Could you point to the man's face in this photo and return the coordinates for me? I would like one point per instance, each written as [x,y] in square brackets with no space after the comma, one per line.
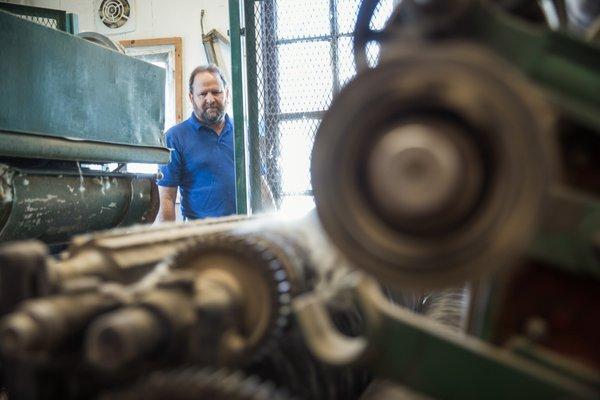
[209,98]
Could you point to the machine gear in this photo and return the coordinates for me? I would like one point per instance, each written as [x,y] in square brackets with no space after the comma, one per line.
[256,280]
[201,384]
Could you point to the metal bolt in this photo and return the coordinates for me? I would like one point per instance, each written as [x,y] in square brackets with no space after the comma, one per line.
[123,336]
[536,328]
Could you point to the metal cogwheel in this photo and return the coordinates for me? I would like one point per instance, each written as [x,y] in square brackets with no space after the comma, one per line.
[261,276]
[200,384]
[418,212]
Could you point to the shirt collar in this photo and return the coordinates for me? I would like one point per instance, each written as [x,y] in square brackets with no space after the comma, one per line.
[196,124]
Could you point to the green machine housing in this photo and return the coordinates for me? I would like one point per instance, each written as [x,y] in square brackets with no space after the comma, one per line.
[67,104]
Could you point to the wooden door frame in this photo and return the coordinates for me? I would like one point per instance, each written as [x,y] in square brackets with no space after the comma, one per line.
[177,42]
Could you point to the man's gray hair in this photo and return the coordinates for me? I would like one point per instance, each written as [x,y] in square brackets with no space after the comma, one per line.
[212,68]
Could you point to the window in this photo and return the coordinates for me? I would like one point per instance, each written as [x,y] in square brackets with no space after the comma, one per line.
[166,54]
[303,59]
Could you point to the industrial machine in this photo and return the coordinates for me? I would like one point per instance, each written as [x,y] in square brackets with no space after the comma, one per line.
[453,252]
[474,157]
[121,304]
[71,118]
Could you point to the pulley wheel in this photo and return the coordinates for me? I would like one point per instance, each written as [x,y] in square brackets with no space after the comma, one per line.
[431,168]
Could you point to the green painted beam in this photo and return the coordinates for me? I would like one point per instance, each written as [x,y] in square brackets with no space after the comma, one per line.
[564,65]
[15,144]
[448,366]
[570,240]
[252,88]
[426,356]
[237,88]
[72,24]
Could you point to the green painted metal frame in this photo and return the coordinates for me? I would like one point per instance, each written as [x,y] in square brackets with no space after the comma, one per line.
[252,87]
[54,148]
[72,23]
[448,366]
[95,94]
[415,351]
[567,69]
[237,88]
[561,63]
[570,241]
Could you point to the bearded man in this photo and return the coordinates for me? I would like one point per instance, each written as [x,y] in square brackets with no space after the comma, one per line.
[202,162]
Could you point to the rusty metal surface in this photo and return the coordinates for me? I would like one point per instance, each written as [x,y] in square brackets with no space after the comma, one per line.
[550,307]
[54,205]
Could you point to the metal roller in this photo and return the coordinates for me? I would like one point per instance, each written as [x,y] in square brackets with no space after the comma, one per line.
[432,167]
[54,205]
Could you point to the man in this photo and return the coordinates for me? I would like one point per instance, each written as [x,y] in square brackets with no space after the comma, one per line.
[202,162]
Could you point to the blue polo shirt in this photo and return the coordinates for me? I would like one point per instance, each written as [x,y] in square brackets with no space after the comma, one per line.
[202,165]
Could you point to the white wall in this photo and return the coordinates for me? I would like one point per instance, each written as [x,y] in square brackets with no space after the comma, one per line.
[159,19]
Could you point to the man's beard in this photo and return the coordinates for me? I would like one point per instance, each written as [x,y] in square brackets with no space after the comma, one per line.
[211,118]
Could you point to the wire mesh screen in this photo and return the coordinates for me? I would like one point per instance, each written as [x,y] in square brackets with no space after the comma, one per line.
[304,57]
[49,22]
[55,19]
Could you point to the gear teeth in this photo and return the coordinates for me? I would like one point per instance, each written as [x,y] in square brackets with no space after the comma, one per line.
[205,383]
[258,251]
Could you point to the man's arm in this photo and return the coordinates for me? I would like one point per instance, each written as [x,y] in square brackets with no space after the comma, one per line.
[166,211]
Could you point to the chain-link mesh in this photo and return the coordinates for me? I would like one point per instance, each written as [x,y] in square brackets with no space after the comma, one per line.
[303,59]
[49,22]
[55,19]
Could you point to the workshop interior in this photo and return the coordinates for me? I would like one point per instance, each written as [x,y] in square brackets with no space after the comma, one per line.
[417,194]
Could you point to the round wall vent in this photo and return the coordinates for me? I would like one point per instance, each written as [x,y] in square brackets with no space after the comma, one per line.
[114,13]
